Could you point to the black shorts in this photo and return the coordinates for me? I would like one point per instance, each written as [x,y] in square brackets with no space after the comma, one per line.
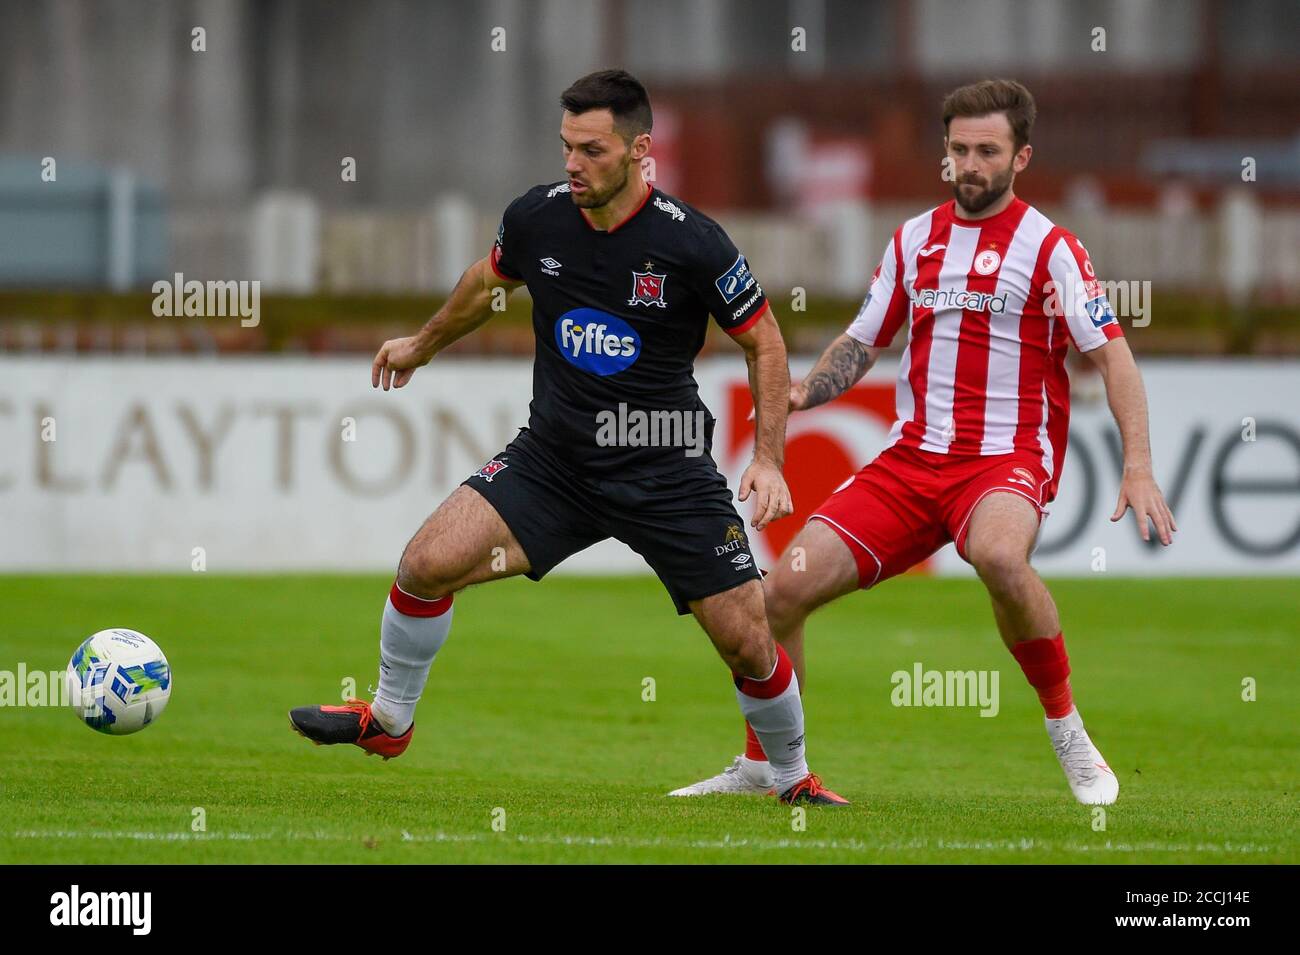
[683,523]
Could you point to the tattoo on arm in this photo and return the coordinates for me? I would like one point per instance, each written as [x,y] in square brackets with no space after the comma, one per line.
[837,371]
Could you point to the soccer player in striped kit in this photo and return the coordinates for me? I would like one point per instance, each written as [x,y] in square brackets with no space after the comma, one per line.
[991,293]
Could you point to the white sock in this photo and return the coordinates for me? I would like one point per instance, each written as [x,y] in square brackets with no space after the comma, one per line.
[775,711]
[411,634]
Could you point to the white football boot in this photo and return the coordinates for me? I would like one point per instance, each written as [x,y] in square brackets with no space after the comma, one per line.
[1091,780]
[745,776]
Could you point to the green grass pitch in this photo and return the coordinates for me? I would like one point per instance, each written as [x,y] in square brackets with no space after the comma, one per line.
[535,708]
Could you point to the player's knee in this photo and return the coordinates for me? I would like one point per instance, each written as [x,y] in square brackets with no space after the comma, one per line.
[425,572]
[998,563]
[753,655]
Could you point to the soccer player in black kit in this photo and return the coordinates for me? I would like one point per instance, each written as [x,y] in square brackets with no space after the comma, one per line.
[623,279]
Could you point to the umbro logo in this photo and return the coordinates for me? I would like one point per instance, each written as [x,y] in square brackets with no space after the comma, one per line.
[663,205]
[549,265]
[741,561]
[930,250]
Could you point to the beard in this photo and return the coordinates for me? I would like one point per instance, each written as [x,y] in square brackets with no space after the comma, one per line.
[594,198]
[991,192]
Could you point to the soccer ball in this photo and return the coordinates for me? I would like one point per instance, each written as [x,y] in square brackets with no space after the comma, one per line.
[119,681]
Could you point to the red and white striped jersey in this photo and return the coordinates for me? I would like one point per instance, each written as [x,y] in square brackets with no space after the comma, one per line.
[991,305]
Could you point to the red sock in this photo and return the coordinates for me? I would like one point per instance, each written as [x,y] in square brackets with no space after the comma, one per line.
[1047,668]
[753,748]
[1057,700]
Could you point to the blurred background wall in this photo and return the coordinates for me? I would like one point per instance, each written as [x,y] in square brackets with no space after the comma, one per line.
[809,126]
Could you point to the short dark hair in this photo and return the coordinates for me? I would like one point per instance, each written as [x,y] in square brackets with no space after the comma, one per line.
[617,91]
[994,96]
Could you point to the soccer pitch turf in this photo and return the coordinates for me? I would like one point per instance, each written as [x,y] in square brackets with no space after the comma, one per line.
[535,707]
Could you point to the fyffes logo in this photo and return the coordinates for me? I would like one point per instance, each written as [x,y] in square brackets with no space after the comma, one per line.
[596,341]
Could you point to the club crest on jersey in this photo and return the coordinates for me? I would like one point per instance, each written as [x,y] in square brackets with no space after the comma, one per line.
[648,289]
[491,469]
[987,262]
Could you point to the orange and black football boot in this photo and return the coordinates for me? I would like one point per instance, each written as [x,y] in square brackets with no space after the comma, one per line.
[810,791]
[351,723]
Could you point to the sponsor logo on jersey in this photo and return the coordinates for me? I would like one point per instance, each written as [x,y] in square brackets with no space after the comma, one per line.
[648,289]
[1099,311]
[736,281]
[987,262]
[596,341]
[732,542]
[960,298]
[556,190]
[549,265]
[663,205]
[491,469]
[744,307]
[928,250]
[1021,476]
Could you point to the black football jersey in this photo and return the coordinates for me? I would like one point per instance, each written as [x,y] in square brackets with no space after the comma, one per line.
[619,317]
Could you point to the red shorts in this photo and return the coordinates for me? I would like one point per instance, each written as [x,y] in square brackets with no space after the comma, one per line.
[906,504]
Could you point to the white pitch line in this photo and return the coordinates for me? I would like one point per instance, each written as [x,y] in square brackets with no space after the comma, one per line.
[615,842]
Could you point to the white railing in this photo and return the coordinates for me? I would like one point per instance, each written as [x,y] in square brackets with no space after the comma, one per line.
[1241,247]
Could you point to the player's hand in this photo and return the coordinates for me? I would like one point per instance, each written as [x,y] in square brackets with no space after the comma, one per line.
[798,400]
[772,497]
[1139,491]
[396,362]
